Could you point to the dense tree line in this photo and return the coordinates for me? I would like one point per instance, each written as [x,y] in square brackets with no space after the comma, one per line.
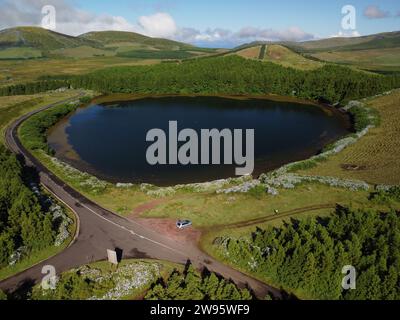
[191,285]
[71,286]
[388,196]
[3,296]
[224,75]
[33,132]
[187,285]
[235,75]
[22,221]
[32,87]
[307,256]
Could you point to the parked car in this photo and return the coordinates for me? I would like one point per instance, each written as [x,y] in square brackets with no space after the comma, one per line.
[183,224]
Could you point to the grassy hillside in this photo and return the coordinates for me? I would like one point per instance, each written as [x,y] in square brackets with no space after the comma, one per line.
[134,45]
[376,41]
[115,39]
[288,58]
[278,54]
[82,52]
[374,59]
[38,38]
[13,71]
[25,50]
[249,53]
[15,53]
[34,42]
[375,158]
[378,52]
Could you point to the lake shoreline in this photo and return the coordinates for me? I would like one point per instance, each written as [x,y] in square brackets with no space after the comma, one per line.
[66,152]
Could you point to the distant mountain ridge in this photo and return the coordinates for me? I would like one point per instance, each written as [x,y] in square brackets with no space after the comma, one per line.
[22,41]
[114,37]
[375,41]
[38,38]
[46,40]
[379,52]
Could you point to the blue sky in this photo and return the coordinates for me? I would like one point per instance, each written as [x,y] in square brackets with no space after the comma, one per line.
[211,22]
[314,16]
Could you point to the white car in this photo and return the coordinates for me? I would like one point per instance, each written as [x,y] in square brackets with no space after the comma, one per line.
[183,224]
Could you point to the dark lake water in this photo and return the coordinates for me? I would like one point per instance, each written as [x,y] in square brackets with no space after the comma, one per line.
[109,140]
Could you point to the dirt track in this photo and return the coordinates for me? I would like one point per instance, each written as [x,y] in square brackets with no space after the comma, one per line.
[285,214]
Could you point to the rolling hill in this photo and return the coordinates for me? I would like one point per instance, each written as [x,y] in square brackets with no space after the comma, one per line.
[38,38]
[115,39]
[288,58]
[249,52]
[379,52]
[134,45]
[35,42]
[376,41]
[276,53]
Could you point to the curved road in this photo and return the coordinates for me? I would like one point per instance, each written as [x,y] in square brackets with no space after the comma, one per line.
[100,229]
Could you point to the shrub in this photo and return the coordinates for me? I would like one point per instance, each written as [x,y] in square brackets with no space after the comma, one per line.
[307,256]
[3,296]
[33,131]
[85,99]
[386,196]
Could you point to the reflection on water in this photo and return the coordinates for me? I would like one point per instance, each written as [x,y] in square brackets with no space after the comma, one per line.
[109,140]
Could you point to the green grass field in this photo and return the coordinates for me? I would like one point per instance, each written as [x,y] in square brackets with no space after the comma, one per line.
[82,52]
[249,53]
[20,71]
[372,59]
[376,156]
[20,53]
[288,58]
[280,55]
[211,210]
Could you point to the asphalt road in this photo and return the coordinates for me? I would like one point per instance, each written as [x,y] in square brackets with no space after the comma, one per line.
[100,229]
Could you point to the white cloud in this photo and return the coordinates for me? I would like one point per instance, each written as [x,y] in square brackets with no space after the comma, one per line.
[374,12]
[69,20]
[209,35]
[346,34]
[74,21]
[248,34]
[158,25]
[290,34]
